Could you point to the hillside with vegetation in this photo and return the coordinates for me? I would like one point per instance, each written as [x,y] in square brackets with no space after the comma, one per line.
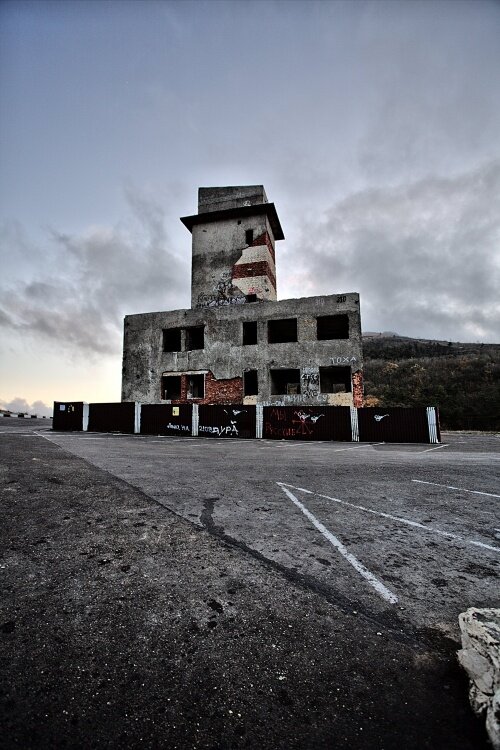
[462,380]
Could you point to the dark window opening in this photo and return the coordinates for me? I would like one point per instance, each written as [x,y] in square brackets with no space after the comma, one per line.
[250,383]
[285,382]
[282,331]
[171,387]
[335,379]
[251,297]
[249,236]
[171,339]
[196,386]
[250,333]
[195,338]
[333,327]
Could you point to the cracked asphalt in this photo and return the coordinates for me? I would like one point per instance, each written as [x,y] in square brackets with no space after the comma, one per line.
[166,593]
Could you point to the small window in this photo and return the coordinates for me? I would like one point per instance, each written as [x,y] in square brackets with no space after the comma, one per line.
[196,386]
[171,387]
[195,338]
[335,379]
[251,297]
[333,327]
[250,333]
[249,236]
[285,382]
[171,339]
[282,331]
[250,383]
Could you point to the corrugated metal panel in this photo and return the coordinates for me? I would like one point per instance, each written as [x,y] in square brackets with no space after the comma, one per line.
[227,421]
[307,422]
[165,419]
[393,425]
[117,417]
[68,415]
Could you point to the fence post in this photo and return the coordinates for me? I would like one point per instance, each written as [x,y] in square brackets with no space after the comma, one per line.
[85,418]
[137,418]
[354,425]
[259,420]
[194,421]
[432,422]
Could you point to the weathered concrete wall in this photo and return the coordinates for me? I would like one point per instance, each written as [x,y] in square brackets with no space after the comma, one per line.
[225,267]
[226,358]
[221,198]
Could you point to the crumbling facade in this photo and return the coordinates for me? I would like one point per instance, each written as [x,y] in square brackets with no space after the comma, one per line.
[238,344]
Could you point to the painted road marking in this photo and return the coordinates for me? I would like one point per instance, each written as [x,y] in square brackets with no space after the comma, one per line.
[436,448]
[399,519]
[356,447]
[460,489]
[356,564]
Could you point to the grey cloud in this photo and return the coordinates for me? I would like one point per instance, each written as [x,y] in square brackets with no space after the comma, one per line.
[103,274]
[21,405]
[425,256]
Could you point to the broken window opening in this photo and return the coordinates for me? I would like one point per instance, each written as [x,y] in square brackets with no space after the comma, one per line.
[195,338]
[171,339]
[249,236]
[171,387]
[250,383]
[335,379]
[284,382]
[251,297]
[332,327]
[282,331]
[196,386]
[250,333]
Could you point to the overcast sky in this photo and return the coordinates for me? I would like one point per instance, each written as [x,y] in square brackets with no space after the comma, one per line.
[374,127]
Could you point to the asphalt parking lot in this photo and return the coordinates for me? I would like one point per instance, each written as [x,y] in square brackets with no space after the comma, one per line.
[366,553]
[412,529]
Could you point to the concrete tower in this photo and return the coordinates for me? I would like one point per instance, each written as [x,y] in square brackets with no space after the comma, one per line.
[233,239]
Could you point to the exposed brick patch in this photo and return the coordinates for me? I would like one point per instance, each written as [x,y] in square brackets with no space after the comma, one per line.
[264,239]
[249,270]
[357,388]
[229,391]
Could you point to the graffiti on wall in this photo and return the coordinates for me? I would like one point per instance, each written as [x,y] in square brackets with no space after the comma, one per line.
[343,360]
[217,421]
[309,382]
[291,423]
[224,293]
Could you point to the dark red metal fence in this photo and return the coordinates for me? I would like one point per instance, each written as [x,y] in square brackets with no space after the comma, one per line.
[164,419]
[227,421]
[340,423]
[118,417]
[394,425]
[68,415]
[307,422]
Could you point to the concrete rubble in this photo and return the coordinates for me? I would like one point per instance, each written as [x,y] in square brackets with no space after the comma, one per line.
[480,657]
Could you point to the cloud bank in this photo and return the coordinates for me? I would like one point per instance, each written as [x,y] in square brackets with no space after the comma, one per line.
[96,278]
[22,406]
[424,256]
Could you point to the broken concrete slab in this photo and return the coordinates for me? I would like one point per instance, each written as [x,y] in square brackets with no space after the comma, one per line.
[480,657]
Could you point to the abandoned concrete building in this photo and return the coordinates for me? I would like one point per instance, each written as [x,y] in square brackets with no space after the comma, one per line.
[238,344]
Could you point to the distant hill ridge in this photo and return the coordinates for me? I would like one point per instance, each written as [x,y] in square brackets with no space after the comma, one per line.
[462,379]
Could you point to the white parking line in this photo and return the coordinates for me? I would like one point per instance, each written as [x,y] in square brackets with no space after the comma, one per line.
[399,519]
[460,489]
[356,564]
[436,448]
